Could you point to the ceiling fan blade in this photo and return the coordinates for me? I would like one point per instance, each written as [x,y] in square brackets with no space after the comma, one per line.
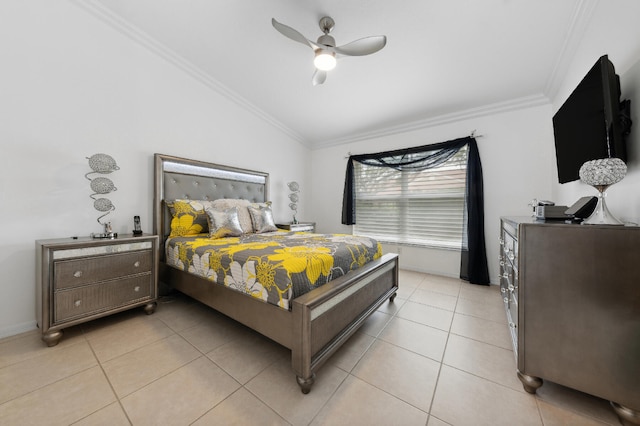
[363,46]
[319,77]
[292,34]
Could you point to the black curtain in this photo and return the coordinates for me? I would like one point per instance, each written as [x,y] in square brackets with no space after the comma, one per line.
[473,264]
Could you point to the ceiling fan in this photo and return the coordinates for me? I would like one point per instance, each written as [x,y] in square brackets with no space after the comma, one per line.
[325,48]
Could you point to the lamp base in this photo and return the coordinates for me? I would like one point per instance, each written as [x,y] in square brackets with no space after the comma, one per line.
[601,215]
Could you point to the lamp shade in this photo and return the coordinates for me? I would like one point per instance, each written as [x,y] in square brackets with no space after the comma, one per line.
[603,172]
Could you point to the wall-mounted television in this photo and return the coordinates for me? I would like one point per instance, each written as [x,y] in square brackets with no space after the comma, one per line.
[592,123]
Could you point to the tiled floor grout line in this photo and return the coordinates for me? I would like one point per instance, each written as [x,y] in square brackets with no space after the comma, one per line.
[441,363]
[349,373]
[106,376]
[377,338]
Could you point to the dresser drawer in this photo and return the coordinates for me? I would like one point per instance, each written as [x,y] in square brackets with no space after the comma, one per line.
[82,271]
[83,301]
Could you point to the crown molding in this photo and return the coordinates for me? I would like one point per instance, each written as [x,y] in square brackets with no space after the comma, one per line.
[115,21]
[97,9]
[496,108]
[575,33]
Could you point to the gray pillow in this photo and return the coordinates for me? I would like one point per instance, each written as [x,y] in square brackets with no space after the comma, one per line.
[262,219]
[223,223]
[243,213]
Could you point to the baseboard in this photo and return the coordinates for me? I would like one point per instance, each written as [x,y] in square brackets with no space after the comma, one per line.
[14,329]
[440,273]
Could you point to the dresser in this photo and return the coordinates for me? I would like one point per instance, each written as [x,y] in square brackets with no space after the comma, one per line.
[298,227]
[572,298]
[80,279]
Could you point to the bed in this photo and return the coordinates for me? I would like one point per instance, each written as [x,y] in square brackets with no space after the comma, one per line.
[312,325]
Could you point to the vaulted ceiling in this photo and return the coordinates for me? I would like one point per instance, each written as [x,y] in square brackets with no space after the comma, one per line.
[444,58]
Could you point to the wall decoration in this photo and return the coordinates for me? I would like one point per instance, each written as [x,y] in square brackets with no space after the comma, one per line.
[294,187]
[102,164]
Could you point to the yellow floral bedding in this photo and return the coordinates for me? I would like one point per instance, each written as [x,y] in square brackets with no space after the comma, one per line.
[275,267]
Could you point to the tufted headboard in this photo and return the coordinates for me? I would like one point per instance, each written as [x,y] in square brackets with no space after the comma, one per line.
[181,178]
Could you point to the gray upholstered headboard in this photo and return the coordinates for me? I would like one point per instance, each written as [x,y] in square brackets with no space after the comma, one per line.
[181,178]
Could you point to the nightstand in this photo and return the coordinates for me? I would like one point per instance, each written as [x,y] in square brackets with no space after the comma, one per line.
[298,227]
[85,278]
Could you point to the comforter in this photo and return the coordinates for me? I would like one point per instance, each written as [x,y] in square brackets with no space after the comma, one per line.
[275,267]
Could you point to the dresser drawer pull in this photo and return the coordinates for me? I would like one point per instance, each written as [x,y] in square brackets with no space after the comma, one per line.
[77,274]
[77,303]
[512,325]
[136,288]
[505,300]
[137,264]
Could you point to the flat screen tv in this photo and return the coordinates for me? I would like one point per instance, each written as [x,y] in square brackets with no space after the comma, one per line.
[592,123]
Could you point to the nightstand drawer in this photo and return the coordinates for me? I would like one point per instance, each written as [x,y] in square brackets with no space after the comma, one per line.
[77,272]
[83,301]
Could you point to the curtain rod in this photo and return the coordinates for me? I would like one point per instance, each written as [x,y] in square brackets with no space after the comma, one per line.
[471,135]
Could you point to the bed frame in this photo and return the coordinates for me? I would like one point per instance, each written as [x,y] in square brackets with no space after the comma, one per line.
[319,322]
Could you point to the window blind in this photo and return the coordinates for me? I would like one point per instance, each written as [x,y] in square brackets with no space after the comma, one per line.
[412,207]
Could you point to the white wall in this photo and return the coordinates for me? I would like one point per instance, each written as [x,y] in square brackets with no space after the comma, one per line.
[72,86]
[516,151]
[613,31]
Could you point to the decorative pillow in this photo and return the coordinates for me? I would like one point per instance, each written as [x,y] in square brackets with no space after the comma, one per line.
[262,219]
[223,223]
[265,204]
[188,218]
[243,212]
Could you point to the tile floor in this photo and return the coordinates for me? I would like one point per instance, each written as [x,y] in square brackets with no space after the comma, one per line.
[440,354]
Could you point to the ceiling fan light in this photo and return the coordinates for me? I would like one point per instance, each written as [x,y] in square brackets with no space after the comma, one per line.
[324,60]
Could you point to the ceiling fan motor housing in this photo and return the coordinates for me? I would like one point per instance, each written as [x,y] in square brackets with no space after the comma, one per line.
[327,40]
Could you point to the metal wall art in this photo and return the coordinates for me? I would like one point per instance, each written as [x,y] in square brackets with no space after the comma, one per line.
[294,198]
[102,164]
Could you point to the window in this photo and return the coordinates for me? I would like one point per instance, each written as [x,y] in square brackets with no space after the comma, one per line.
[412,207]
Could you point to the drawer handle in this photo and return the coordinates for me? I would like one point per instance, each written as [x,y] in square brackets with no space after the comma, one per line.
[77,303]
[505,300]
[77,274]
[137,264]
[503,290]
[511,288]
[512,325]
[136,288]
